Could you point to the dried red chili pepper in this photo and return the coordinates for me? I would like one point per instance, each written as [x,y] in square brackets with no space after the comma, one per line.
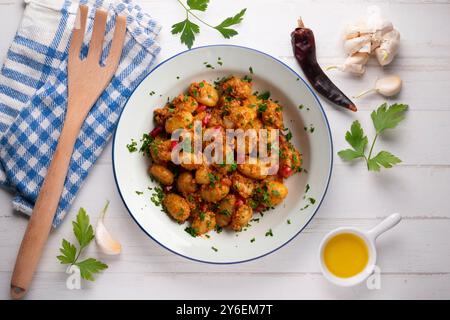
[304,47]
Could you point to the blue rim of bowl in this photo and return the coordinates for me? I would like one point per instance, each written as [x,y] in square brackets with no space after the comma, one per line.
[329,136]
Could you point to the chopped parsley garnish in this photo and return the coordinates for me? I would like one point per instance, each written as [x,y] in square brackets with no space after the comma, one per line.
[269,233]
[146,143]
[288,221]
[157,196]
[250,69]
[191,231]
[132,146]
[262,107]
[215,249]
[310,129]
[152,93]
[212,180]
[252,240]
[301,107]
[139,193]
[307,188]
[264,96]
[311,201]
[288,135]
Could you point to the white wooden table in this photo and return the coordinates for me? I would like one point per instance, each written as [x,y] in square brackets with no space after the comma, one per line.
[414,258]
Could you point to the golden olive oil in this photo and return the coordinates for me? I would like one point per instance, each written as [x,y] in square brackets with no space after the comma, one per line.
[346,255]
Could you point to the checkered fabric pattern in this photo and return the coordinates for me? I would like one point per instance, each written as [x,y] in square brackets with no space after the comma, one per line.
[33,94]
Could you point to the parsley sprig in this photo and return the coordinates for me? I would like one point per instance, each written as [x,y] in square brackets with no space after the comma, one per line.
[189,29]
[383,118]
[70,254]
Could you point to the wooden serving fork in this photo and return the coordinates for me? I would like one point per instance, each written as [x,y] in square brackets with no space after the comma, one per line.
[86,81]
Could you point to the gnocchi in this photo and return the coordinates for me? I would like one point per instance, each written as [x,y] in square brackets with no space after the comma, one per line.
[177,207]
[219,195]
[162,174]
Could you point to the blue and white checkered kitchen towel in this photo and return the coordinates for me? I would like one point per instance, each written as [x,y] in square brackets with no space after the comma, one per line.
[33,95]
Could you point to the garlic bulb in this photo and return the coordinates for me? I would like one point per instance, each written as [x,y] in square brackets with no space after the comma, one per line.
[371,34]
[105,241]
[387,86]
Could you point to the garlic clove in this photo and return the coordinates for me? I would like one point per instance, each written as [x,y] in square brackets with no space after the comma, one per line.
[358,58]
[105,241]
[354,45]
[389,86]
[356,69]
[388,48]
[354,64]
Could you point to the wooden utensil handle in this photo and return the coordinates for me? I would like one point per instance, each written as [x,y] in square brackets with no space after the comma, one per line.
[44,210]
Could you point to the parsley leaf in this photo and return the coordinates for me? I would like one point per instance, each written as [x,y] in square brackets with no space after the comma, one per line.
[388,118]
[349,154]
[383,158]
[82,228]
[383,118]
[70,254]
[356,138]
[90,266]
[199,5]
[223,27]
[188,30]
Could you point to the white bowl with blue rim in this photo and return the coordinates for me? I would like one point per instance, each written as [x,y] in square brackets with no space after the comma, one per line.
[303,115]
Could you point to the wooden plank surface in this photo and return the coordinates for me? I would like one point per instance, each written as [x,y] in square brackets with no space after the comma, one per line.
[414,258]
